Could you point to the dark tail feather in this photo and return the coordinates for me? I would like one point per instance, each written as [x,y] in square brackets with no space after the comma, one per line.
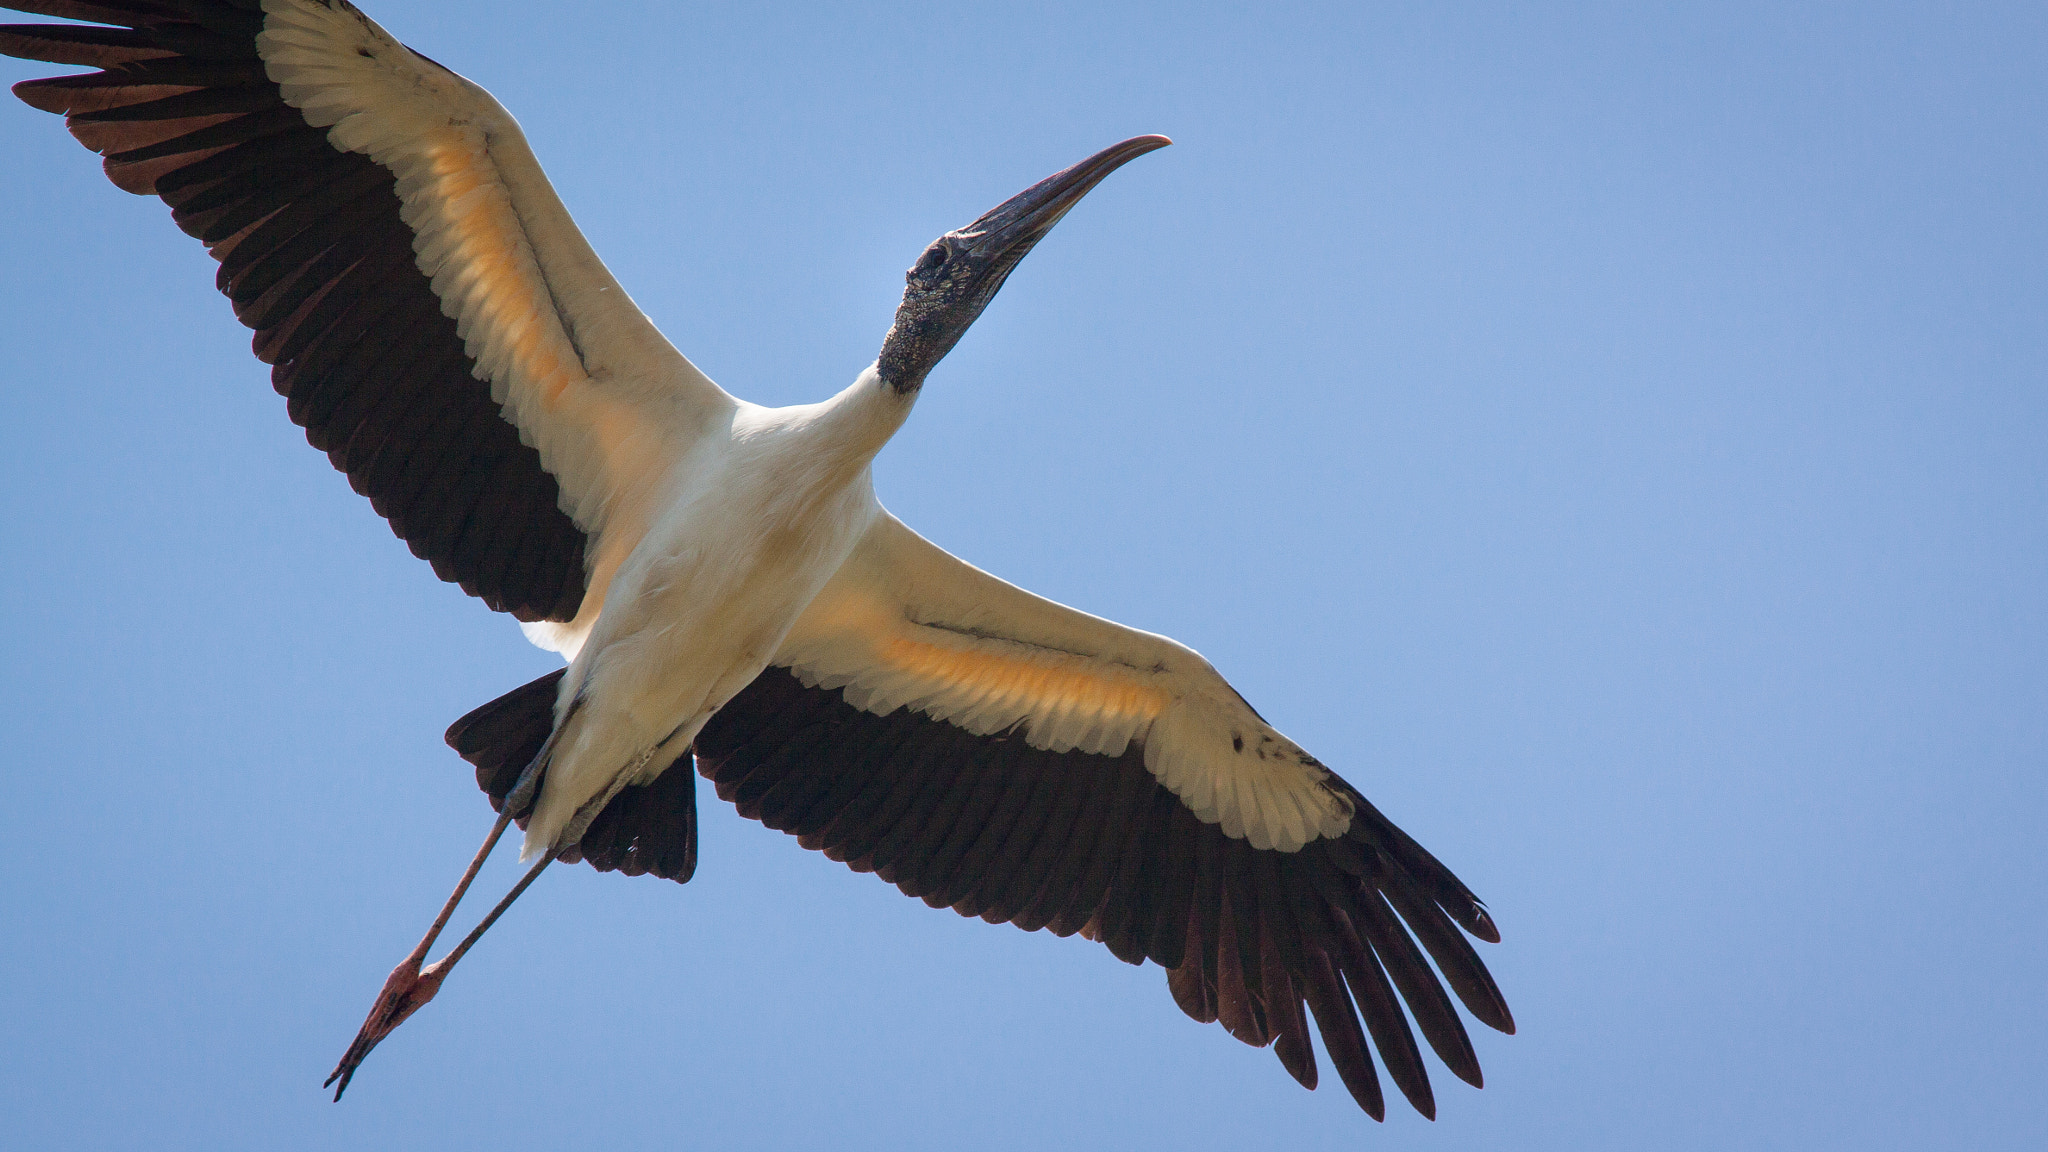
[647,829]
[502,737]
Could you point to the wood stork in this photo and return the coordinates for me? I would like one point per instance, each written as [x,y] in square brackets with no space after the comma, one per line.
[724,585]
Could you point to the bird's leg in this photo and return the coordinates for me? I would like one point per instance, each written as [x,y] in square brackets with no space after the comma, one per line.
[409,987]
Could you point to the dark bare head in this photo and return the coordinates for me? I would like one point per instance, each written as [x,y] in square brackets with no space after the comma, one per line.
[960,273]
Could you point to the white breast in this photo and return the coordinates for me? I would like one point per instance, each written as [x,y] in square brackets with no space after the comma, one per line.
[754,525]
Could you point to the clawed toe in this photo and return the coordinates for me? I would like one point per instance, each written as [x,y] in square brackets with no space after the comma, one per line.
[404,993]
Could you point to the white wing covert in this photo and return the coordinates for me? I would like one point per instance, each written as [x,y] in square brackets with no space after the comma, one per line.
[907,625]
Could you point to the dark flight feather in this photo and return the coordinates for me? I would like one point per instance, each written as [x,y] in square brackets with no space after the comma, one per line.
[1261,941]
[315,259]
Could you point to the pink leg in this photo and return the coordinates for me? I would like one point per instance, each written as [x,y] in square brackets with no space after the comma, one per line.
[408,988]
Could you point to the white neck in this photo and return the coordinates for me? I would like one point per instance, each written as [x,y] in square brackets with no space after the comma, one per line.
[855,424]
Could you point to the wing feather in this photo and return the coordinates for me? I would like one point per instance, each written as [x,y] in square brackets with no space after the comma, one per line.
[994,753]
[904,625]
[434,318]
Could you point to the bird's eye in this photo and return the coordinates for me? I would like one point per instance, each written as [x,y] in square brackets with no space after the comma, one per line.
[933,259]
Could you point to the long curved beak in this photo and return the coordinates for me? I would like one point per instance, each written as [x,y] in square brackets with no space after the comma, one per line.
[962,270]
[1012,227]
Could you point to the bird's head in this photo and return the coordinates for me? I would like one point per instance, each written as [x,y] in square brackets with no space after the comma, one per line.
[961,271]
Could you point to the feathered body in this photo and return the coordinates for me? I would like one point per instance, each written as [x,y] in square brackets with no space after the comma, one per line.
[757,516]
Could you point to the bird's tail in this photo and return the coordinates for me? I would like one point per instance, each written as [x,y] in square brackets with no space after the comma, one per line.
[502,737]
[645,829]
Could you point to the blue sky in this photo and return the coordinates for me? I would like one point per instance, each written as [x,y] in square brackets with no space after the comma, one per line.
[1612,436]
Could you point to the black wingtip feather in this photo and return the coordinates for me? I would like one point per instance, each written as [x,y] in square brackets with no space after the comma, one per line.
[1381,1010]
[1337,1020]
[1432,1009]
[1455,958]
[132,13]
[1283,1011]
[1480,923]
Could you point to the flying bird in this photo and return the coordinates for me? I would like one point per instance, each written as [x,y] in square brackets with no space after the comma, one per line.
[725,588]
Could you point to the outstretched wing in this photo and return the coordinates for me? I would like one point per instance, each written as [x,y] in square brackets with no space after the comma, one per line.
[437,323]
[994,752]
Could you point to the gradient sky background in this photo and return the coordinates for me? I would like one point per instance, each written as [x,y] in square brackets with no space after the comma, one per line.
[1616,440]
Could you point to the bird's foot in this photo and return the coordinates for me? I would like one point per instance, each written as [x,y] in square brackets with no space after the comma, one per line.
[404,993]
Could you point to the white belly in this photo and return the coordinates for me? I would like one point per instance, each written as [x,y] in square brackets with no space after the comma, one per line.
[693,616]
